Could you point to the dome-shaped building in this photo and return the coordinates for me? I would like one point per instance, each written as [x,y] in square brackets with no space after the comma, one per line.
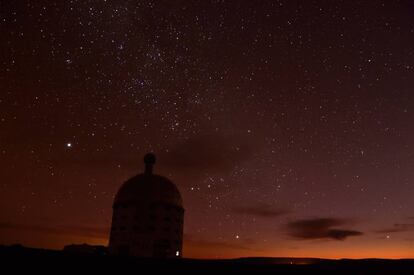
[148,216]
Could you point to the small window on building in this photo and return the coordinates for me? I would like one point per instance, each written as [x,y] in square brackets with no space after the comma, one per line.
[177,253]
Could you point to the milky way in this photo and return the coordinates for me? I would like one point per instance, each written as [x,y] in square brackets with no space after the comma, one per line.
[287,125]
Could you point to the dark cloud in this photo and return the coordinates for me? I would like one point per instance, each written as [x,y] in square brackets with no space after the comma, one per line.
[321,228]
[207,153]
[65,230]
[262,211]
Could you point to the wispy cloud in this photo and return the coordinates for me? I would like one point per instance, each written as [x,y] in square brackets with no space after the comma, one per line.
[397,227]
[207,153]
[262,211]
[216,244]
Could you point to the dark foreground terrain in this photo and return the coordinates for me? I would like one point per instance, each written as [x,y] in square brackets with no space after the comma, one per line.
[18,258]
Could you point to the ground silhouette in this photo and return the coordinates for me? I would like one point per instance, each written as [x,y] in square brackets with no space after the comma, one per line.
[18,258]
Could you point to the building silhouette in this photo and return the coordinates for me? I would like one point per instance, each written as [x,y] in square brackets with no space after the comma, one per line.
[148,216]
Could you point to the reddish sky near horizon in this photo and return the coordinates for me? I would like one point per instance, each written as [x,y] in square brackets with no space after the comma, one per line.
[286,125]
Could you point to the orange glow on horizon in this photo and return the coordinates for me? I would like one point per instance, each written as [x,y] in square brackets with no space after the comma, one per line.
[212,250]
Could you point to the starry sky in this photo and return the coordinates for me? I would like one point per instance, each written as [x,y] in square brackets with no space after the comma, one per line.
[286,125]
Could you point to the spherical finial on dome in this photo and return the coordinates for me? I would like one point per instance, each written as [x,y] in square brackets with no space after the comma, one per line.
[149,160]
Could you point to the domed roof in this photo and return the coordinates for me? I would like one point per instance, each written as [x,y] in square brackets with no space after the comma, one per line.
[149,188]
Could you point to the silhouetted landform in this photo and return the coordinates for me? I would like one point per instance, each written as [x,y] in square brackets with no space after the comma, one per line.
[86,249]
[82,258]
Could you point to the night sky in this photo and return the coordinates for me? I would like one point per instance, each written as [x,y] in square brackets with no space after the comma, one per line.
[288,126]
